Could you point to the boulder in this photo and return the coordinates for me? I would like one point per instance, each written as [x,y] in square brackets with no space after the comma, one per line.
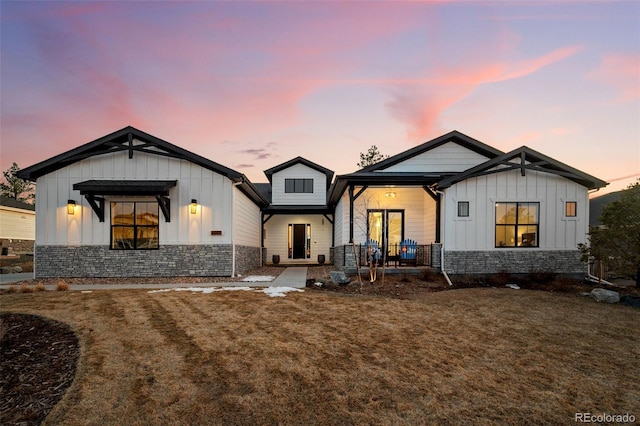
[340,277]
[604,295]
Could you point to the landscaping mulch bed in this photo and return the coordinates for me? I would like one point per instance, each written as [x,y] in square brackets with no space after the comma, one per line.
[39,358]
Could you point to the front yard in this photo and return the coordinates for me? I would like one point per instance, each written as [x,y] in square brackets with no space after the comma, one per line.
[480,355]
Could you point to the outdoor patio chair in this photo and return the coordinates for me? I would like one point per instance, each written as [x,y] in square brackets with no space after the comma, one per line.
[408,251]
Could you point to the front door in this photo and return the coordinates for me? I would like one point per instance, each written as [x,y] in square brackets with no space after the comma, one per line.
[299,246]
[299,238]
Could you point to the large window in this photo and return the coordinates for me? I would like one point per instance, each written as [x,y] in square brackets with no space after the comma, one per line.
[517,224]
[387,228]
[134,225]
[298,186]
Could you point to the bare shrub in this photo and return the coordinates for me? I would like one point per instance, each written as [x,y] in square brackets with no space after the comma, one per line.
[62,285]
[12,289]
[40,287]
[26,289]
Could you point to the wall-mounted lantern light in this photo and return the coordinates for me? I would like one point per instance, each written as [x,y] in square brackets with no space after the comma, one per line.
[71,206]
[194,206]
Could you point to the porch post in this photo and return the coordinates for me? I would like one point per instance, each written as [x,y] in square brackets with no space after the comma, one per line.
[438,219]
[351,214]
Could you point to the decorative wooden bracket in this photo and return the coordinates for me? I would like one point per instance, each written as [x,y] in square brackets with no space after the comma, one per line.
[97,204]
[165,205]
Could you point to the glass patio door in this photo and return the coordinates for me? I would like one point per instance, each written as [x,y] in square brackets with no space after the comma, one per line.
[387,228]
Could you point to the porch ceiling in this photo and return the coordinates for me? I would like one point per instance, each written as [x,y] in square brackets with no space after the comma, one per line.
[383,178]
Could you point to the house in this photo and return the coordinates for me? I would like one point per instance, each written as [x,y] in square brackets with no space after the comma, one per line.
[472,208]
[17,225]
[298,223]
[130,204]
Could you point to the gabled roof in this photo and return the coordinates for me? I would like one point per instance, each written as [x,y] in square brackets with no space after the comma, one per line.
[454,136]
[529,159]
[123,140]
[299,160]
[16,204]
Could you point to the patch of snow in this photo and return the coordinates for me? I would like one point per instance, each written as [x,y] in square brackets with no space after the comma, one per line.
[269,291]
[279,291]
[513,286]
[258,278]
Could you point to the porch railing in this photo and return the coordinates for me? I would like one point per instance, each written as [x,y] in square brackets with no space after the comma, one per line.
[393,258]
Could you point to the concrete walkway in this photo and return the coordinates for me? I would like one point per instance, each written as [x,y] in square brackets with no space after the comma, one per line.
[295,277]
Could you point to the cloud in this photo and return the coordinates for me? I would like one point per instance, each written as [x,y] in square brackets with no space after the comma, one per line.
[258,153]
[420,103]
[621,72]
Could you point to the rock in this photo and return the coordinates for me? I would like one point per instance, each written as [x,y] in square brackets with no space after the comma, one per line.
[630,301]
[604,295]
[340,277]
[17,269]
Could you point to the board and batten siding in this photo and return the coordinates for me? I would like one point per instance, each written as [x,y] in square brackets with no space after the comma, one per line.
[212,190]
[277,236]
[448,157]
[299,171]
[17,223]
[246,221]
[477,232]
[419,214]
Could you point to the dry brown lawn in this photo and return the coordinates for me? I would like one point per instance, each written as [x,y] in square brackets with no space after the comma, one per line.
[464,356]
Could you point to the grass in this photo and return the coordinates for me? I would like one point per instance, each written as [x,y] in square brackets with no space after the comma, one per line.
[465,356]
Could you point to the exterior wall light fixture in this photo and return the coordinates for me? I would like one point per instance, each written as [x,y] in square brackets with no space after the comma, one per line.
[71,206]
[194,206]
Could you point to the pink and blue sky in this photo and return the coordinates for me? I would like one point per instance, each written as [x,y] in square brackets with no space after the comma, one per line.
[253,84]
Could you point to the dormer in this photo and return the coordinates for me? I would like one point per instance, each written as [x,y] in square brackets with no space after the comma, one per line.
[299,182]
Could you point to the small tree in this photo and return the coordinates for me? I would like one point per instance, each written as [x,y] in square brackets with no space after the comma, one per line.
[16,188]
[372,156]
[618,240]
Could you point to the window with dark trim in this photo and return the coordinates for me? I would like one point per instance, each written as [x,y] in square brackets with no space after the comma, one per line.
[463,209]
[134,225]
[517,224]
[571,209]
[298,186]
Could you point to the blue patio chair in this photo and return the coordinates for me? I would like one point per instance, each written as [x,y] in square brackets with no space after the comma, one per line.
[372,251]
[408,251]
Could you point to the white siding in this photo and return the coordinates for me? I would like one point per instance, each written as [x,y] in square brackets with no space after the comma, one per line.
[449,157]
[212,190]
[246,221]
[299,171]
[17,224]
[419,214]
[477,232]
[277,236]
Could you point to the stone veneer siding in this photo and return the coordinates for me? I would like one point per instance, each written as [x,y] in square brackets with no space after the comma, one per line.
[168,260]
[566,262]
[17,246]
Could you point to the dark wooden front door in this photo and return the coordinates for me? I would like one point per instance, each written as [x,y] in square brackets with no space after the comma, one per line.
[299,241]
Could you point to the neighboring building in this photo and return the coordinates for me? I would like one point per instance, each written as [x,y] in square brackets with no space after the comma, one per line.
[17,225]
[471,208]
